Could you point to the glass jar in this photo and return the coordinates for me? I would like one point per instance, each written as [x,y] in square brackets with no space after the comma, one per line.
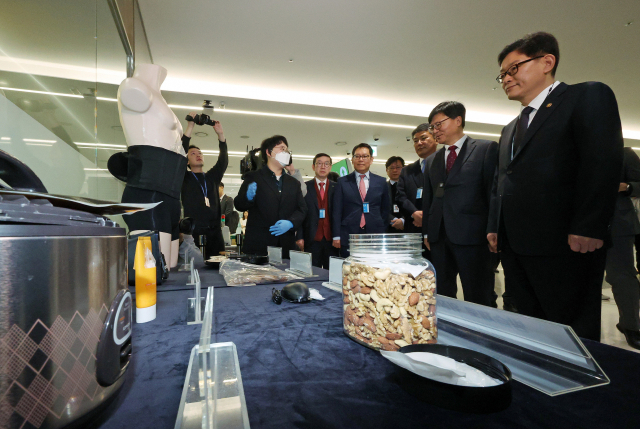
[389,292]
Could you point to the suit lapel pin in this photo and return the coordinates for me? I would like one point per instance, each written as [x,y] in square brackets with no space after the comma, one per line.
[549,105]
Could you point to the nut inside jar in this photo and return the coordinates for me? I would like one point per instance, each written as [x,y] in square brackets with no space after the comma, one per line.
[387,310]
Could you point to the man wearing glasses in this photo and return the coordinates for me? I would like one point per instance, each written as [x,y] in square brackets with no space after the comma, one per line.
[315,234]
[361,202]
[457,192]
[394,166]
[410,185]
[555,188]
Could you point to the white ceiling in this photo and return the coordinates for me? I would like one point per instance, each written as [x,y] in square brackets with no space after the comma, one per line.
[373,61]
[403,56]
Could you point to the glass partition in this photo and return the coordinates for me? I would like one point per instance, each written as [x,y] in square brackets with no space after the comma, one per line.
[61,62]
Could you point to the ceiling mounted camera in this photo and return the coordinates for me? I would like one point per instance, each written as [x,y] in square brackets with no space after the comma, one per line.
[376,137]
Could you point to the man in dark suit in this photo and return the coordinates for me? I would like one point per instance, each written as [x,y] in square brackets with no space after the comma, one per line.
[411,182]
[621,273]
[394,166]
[226,206]
[274,201]
[457,193]
[361,202]
[316,228]
[555,187]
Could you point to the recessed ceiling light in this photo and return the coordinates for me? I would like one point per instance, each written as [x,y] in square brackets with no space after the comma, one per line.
[244,137]
[341,143]
[39,141]
[628,23]
[291,60]
[201,134]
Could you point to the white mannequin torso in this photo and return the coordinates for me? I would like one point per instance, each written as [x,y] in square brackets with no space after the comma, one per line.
[145,116]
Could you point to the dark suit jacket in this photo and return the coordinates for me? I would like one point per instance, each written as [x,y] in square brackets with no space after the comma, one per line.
[625,218]
[310,224]
[268,207]
[393,190]
[226,206]
[411,178]
[565,177]
[467,193]
[347,207]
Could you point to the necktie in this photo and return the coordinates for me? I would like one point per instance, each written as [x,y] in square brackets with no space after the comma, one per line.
[363,193]
[321,191]
[423,162]
[521,129]
[451,158]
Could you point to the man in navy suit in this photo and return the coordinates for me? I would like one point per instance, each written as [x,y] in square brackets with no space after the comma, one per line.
[457,193]
[559,169]
[315,234]
[394,166]
[361,204]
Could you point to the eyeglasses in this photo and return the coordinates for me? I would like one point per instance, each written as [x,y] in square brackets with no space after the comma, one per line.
[363,157]
[323,164]
[514,69]
[437,125]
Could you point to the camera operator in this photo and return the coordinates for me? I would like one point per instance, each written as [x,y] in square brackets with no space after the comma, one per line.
[200,198]
[274,201]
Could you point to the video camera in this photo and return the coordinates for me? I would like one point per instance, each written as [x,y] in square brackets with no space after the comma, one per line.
[251,161]
[203,118]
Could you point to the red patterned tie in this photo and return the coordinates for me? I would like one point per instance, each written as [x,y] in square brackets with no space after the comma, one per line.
[451,158]
[363,193]
[321,190]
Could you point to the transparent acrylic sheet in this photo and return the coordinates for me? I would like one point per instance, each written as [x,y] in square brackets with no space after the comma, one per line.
[335,274]
[300,264]
[213,396]
[275,255]
[546,356]
[195,308]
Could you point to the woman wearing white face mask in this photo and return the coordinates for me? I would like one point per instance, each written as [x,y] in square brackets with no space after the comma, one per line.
[274,200]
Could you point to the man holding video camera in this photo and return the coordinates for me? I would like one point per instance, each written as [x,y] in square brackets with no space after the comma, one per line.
[200,198]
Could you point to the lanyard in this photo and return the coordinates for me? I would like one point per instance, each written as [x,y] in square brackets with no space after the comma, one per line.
[204,190]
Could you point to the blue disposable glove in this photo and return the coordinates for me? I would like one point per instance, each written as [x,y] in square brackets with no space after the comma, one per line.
[251,191]
[281,227]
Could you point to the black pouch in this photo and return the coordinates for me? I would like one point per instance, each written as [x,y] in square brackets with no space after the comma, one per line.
[155,249]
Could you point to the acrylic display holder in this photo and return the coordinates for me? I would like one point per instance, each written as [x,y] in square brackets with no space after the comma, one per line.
[544,355]
[212,396]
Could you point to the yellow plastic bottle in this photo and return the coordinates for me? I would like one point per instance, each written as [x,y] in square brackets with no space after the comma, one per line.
[145,283]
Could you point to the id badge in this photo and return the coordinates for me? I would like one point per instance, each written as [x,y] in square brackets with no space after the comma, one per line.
[365,207]
[396,209]
[206,201]
[440,190]
[419,194]
[322,215]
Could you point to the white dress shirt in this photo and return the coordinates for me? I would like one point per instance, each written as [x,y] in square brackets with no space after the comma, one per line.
[458,146]
[318,182]
[366,180]
[537,102]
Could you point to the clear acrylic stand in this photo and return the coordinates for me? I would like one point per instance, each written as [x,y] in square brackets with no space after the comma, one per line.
[546,356]
[275,255]
[194,305]
[335,274]
[187,265]
[300,264]
[213,395]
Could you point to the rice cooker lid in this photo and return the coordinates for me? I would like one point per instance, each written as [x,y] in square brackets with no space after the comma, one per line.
[17,212]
